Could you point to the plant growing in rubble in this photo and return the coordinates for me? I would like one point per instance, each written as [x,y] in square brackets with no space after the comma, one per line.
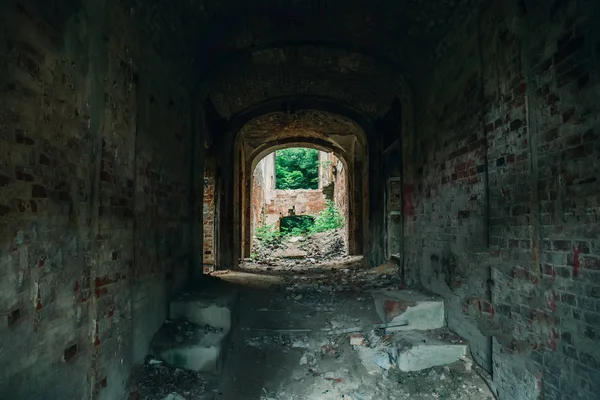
[328,219]
[267,234]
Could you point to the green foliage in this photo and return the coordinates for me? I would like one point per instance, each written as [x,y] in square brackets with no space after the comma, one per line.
[296,225]
[267,234]
[297,168]
[328,219]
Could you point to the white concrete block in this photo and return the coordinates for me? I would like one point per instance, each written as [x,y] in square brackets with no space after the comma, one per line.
[422,350]
[421,312]
[188,346]
[213,311]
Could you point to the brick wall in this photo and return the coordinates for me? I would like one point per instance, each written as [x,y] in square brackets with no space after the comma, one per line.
[94,188]
[501,194]
[208,218]
[340,193]
[305,201]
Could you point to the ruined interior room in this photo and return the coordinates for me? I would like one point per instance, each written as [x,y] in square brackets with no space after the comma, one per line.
[447,245]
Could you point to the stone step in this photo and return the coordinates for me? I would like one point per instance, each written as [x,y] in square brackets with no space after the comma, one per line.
[189,346]
[205,308]
[421,312]
[418,350]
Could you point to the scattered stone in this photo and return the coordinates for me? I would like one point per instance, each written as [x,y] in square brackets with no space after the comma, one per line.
[357,339]
[157,381]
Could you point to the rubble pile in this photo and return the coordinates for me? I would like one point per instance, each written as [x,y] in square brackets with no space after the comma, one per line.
[325,246]
[351,277]
[363,366]
[155,380]
[304,251]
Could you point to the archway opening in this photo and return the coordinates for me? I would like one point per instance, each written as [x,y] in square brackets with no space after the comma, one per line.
[329,133]
[299,207]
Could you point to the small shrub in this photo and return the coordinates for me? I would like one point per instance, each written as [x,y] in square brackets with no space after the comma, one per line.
[328,219]
[296,225]
[267,234]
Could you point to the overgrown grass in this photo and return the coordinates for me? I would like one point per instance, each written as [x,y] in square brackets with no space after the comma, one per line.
[328,219]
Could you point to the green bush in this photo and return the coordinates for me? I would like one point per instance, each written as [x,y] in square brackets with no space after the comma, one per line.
[296,225]
[328,219]
[297,168]
[267,234]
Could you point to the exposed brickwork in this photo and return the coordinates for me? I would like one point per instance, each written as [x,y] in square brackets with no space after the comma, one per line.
[501,186]
[93,200]
[305,202]
[208,217]
[269,204]
[340,193]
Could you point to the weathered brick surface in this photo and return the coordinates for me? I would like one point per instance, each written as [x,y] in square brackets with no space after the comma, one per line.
[208,219]
[268,203]
[94,150]
[501,185]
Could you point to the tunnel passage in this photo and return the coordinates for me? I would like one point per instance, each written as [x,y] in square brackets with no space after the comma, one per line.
[477,171]
[321,130]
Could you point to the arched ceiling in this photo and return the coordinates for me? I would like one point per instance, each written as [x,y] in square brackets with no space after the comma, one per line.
[348,77]
[354,51]
[339,131]
[320,128]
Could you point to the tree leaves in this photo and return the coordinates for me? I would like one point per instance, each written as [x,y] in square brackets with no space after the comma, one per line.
[297,168]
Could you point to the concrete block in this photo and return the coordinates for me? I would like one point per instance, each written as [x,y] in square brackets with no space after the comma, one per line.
[189,346]
[357,339]
[213,309]
[422,350]
[420,311]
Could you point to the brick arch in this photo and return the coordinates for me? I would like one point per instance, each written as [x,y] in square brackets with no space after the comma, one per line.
[251,76]
[317,129]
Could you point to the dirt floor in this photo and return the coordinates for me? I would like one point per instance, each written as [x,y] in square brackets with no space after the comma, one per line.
[296,317]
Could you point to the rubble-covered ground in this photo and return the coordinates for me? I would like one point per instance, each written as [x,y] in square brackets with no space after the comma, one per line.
[296,319]
[155,380]
[304,250]
[296,346]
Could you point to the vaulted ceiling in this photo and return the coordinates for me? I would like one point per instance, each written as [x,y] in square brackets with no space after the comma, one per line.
[352,51]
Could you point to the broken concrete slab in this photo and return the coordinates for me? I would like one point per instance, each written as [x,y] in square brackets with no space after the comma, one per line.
[421,350]
[290,253]
[419,311]
[213,309]
[190,346]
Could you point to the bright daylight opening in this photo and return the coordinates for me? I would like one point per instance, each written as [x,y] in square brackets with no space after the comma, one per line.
[299,208]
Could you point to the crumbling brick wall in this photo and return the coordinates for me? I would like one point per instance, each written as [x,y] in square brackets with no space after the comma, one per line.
[501,194]
[94,209]
[208,212]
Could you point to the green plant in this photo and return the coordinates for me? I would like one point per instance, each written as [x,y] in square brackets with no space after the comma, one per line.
[296,225]
[297,168]
[328,219]
[266,234]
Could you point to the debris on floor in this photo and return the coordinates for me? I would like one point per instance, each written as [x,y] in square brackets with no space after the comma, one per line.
[286,251]
[331,331]
[156,380]
[305,350]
